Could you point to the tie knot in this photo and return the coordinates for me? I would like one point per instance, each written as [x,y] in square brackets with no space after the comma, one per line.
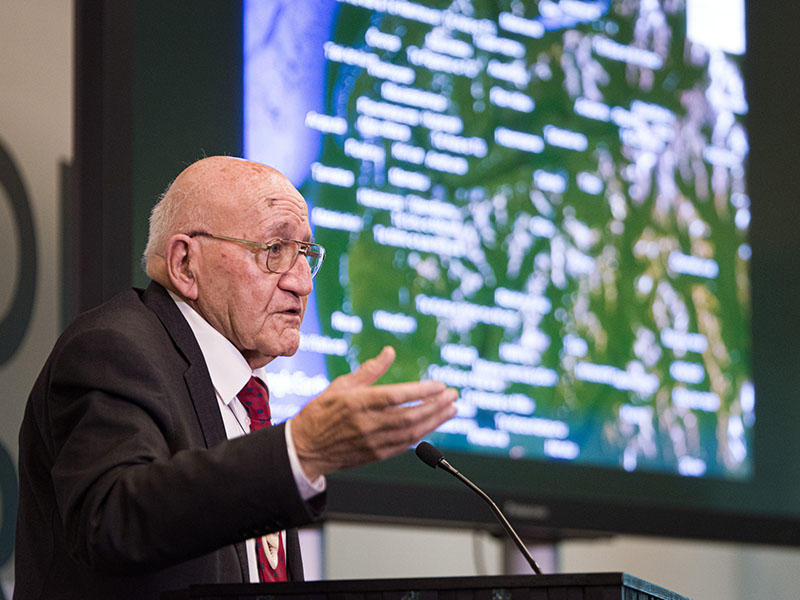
[255,399]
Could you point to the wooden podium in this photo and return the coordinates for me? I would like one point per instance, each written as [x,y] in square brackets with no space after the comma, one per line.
[589,586]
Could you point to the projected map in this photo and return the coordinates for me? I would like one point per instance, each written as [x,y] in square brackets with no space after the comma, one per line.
[543,205]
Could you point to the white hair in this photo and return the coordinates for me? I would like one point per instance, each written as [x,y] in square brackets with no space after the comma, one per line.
[176,211]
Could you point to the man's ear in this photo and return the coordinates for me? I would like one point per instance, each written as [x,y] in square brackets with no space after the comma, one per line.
[182,260]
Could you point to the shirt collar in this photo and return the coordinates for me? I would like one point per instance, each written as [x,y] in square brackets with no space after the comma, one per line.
[227,367]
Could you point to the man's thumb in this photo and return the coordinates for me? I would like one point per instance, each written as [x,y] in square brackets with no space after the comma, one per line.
[371,370]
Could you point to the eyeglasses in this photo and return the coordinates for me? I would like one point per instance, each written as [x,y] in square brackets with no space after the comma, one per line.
[277,256]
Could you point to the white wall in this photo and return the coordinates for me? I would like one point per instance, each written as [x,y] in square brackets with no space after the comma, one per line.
[36,129]
[35,125]
[357,551]
[698,570]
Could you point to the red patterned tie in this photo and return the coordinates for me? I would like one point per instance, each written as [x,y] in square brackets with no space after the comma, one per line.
[255,398]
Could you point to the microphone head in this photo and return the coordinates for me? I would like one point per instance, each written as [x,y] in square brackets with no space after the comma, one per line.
[429,454]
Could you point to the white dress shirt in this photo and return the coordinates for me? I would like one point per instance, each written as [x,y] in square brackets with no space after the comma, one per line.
[229,373]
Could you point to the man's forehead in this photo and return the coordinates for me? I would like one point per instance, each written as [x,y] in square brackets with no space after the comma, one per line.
[264,197]
[289,200]
[282,216]
[280,207]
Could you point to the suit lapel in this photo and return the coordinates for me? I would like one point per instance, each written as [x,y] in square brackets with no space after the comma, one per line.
[198,381]
[196,376]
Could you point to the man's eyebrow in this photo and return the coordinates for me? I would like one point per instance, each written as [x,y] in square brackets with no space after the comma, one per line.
[277,229]
[284,231]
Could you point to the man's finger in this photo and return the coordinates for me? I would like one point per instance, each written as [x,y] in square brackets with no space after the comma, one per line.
[401,429]
[371,370]
[396,394]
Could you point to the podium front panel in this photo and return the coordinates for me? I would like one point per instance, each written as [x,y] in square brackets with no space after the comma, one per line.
[584,586]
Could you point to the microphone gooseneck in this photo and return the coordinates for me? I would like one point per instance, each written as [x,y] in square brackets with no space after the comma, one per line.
[434,458]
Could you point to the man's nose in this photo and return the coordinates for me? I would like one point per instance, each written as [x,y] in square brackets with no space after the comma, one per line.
[298,278]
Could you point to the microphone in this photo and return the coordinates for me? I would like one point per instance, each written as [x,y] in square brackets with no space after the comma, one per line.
[433,457]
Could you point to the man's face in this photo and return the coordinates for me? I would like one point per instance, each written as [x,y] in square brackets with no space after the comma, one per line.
[259,312]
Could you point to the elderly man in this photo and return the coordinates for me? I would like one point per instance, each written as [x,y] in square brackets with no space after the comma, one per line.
[135,473]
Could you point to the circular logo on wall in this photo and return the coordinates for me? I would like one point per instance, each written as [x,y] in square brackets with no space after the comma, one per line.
[16,320]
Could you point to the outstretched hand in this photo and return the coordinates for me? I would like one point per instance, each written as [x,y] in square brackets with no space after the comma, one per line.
[353,422]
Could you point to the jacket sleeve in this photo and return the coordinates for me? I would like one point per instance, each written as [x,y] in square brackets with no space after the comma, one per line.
[135,486]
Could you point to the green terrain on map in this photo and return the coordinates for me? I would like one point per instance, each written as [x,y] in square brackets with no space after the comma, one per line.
[597,260]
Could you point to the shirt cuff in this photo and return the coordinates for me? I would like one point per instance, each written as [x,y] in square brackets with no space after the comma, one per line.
[308,489]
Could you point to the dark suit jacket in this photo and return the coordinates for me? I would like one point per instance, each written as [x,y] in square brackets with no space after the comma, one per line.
[128,485]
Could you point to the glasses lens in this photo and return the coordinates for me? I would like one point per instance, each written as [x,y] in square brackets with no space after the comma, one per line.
[315,254]
[281,255]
